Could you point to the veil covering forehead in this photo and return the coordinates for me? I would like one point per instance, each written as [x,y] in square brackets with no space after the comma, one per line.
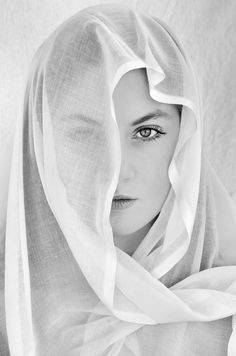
[67,289]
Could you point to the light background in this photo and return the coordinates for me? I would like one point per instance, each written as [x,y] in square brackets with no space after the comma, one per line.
[207,29]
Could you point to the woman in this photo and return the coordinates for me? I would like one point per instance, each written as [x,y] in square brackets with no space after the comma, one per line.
[112,109]
[147,148]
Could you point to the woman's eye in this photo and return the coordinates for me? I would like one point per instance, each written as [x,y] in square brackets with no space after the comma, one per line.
[148,133]
[79,134]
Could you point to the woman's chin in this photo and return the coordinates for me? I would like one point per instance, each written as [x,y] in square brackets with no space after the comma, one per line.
[122,230]
[123,225]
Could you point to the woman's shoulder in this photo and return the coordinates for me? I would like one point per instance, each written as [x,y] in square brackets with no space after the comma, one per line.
[187,338]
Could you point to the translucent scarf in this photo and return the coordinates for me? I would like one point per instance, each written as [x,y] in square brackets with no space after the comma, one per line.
[67,289]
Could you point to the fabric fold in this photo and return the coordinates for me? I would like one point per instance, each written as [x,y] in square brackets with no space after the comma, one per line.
[67,289]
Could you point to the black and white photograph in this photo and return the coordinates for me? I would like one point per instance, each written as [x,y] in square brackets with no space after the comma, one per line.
[118,178]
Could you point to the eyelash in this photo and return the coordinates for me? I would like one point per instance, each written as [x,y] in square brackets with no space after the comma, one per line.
[158,129]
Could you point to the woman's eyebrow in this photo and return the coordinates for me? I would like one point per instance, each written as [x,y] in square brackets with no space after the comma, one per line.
[84,118]
[152,115]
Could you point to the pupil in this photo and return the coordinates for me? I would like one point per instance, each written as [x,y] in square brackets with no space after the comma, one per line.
[147,132]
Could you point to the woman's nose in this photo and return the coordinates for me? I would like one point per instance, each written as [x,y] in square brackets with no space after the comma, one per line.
[127,168]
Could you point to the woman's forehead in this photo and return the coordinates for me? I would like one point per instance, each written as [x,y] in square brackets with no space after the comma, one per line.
[132,100]
[131,86]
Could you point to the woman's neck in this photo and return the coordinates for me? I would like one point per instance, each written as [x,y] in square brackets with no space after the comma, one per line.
[129,243]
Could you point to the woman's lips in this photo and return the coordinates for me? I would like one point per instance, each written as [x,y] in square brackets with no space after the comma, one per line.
[121,196]
[118,204]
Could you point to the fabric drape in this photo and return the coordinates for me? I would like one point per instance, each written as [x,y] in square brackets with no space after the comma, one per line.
[66,289]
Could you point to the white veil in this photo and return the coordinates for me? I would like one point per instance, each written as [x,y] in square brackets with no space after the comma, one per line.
[67,290]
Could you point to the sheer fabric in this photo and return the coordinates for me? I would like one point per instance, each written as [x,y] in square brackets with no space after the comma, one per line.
[66,289]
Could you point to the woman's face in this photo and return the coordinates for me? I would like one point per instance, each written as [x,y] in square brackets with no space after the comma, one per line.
[147,148]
